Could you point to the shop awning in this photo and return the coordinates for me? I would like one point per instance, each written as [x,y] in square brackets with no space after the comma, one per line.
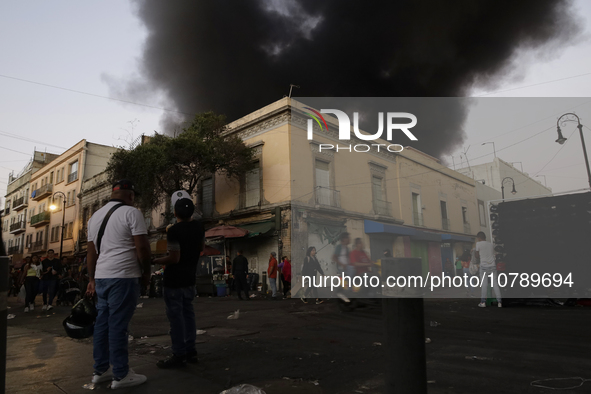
[266,228]
[372,227]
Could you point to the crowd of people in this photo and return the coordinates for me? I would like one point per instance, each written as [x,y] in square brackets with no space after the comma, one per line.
[49,276]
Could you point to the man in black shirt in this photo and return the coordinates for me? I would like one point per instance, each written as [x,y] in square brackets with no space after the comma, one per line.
[239,271]
[185,242]
[51,269]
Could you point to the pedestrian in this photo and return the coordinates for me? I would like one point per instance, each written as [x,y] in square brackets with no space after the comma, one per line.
[239,271]
[117,252]
[359,260]
[485,253]
[185,240]
[310,268]
[448,267]
[272,274]
[466,258]
[458,265]
[32,272]
[285,267]
[341,254]
[51,269]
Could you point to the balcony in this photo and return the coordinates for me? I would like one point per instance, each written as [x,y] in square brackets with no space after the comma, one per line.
[73,176]
[6,211]
[20,203]
[383,208]
[17,227]
[38,246]
[417,219]
[42,192]
[324,196]
[467,228]
[18,249]
[40,219]
[445,224]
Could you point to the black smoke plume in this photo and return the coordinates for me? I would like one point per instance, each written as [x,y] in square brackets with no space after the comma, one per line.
[236,56]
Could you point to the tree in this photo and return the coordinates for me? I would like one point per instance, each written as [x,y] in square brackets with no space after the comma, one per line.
[165,164]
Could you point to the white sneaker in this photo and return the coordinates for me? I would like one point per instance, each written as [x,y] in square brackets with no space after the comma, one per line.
[500,305]
[26,309]
[49,307]
[44,307]
[482,305]
[104,377]
[32,307]
[132,379]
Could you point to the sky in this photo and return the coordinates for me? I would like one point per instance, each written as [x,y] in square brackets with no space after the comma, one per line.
[63,48]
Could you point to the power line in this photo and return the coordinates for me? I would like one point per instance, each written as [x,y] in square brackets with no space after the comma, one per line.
[10,135]
[550,161]
[534,84]
[12,150]
[94,95]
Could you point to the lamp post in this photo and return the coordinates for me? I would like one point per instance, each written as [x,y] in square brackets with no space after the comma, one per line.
[53,207]
[494,149]
[503,187]
[571,117]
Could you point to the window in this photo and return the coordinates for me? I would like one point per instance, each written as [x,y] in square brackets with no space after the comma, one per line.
[465,214]
[69,230]
[57,176]
[381,207]
[73,174]
[482,212]
[207,197]
[322,172]
[51,177]
[63,173]
[253,187]
[417,211]
[444,218]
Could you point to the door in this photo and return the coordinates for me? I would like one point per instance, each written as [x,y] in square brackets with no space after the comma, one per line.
[420,249]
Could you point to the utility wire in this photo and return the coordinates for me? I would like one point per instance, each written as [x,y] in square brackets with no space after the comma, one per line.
[533,84]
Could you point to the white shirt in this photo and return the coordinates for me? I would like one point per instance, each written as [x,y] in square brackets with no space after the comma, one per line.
[118,258]
[487,254]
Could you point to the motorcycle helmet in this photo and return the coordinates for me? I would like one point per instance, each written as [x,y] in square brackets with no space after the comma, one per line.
[80,323]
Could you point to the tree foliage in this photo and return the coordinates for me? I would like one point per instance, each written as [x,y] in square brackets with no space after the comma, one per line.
[165,164]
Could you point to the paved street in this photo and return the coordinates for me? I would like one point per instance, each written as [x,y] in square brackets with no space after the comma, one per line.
[289,347]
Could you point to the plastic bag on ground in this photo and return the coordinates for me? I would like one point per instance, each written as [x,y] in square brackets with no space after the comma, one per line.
[234,315]
[243,389]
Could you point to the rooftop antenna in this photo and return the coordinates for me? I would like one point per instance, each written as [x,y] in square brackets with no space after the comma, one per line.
[454,162]
[291,86]
[466,155]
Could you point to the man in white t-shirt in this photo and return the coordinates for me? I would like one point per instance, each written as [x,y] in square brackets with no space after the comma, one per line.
[485,252]
[115,263]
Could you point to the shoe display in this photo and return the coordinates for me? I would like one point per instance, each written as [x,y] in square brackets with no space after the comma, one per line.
[132,379]
[171,362]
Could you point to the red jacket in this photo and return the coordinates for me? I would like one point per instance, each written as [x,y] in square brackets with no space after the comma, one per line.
[272,270]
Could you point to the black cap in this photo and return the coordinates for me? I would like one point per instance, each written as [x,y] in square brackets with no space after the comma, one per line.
[125,184]
[184,208]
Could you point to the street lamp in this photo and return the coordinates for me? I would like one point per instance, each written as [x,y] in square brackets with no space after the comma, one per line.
[503,186]
[494,149]
[53,207]
[571,117]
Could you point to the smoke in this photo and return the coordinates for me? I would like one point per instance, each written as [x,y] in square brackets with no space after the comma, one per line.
[234,57]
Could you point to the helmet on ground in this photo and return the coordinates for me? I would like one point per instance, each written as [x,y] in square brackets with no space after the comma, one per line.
[80,323]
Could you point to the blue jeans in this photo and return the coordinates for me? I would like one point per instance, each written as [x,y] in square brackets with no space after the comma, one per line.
[273,283]
[117,299]
[49,289]
[179,310]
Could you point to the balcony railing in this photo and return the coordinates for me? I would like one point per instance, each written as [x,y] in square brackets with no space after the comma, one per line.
[38,246]
[445,224]
[73,176]
[40,219]
[15,249]
[19,203]
[327,197]
[42,192]
[17,227]
[382,207]
[417,218]
[467,228]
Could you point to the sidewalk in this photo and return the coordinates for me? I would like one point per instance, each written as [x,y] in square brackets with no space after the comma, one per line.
[39,362]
